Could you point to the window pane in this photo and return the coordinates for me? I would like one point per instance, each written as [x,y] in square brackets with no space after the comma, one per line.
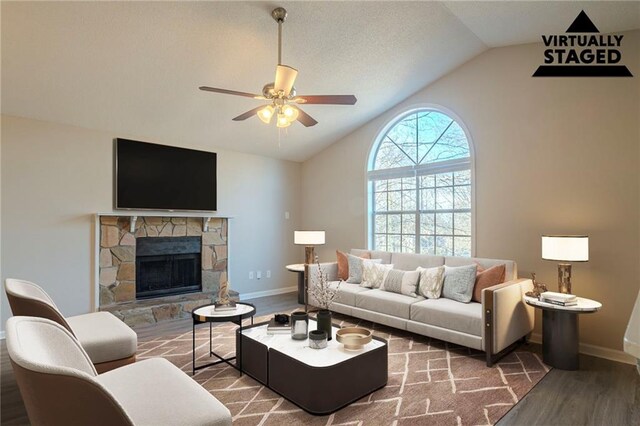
[462,199]
[463,177]
[380,201]
[409,200]
[408,243]
[408,223]
[393,224]
[452,144]
[409,183]
[462,223]
[404,135]
[428,181]
[427,224]
[381,224]
[462,246]
[389,156]
[444,246]
[427,199]
[444,198]
[395,184]
[444,179]
[395,201]
[394,243]
[427,244]
[380,185]
[444,224]
[380,242]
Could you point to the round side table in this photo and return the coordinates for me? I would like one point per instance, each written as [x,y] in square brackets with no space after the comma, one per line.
[207,314]
[560,331]
[299,269]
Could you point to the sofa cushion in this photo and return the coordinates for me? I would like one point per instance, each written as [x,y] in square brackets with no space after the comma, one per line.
[431,281]
[459,282]
[347,292]
[356,265]
[402,282]
[410,261]
[343,263]
[511,269]
[487,278]
[449,314]
[374,254]
[393,304]
[373,274]
[103,336]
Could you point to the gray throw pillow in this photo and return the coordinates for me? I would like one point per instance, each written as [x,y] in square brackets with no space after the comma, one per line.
[355,268]
[401,282]
[459,282]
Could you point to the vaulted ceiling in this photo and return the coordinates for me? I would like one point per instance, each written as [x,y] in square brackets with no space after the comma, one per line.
[133,68]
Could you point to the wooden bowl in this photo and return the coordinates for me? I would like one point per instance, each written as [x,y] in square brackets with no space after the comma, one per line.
[353,338]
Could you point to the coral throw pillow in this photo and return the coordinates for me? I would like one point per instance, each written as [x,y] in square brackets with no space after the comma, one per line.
[487,278]
[343,264]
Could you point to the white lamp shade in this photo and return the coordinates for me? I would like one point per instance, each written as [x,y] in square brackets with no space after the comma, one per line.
[566,248]
[308,238]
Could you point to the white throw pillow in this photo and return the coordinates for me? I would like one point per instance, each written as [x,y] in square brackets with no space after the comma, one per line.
[355,268]
[431,281]
[402,282]
[373,273]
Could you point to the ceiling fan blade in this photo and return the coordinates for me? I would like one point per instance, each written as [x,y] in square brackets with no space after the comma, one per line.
[326,99]
[248,114]
[305,119]
[285,77]
[231,92]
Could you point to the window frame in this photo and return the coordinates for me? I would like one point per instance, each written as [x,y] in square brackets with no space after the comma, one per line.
[416,170]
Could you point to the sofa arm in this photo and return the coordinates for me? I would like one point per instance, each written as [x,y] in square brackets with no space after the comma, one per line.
[507,317]
[329,268]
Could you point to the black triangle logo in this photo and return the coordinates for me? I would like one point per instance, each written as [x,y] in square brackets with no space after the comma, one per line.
[582,24]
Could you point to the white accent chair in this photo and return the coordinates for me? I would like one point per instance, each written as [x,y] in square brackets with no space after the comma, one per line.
[109,342]
[60,386]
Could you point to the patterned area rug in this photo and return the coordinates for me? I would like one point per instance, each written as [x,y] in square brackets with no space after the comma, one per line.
[430,381]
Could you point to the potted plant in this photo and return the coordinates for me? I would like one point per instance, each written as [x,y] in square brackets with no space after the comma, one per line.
[324,296]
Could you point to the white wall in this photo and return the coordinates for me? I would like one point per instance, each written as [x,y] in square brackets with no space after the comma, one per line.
[553,155]
[55,177]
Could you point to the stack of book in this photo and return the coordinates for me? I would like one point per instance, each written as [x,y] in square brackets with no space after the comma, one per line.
[275,327]
[560,299]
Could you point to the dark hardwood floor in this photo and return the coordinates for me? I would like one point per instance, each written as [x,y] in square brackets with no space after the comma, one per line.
[601,393]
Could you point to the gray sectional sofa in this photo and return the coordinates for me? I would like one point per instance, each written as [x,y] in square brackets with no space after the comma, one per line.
[492,326]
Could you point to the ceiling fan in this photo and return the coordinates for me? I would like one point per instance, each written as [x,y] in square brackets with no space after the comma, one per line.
[282,94]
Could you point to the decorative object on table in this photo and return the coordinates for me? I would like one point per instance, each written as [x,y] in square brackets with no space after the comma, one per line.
[324,296]
[538,287]
[560,299]
[317,339]
[309,239]
[353,338]
[299,325]
[279,324]
[565,248]
[224,303]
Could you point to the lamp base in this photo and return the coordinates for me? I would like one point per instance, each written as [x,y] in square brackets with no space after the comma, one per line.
[309,255]
[564,278]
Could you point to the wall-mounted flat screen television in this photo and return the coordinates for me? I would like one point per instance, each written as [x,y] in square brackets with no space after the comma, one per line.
[159,177]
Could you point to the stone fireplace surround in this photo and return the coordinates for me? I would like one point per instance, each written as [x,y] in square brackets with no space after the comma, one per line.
[116,245]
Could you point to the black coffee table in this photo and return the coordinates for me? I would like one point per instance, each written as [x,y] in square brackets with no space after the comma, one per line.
[206,314]
[320,381]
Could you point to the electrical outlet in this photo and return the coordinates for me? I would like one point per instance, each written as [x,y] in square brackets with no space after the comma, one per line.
[250,275]
[258,274]
[269,273]
[287,215]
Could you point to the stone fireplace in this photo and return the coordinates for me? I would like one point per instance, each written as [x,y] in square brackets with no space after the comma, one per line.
[155,268]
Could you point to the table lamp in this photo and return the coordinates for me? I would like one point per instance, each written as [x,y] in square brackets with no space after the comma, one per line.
[308,239]
[565,248]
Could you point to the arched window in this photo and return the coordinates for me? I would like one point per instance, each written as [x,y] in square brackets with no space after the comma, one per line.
[420,186]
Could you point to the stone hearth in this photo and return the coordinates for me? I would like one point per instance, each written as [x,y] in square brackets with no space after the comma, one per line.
[117,263]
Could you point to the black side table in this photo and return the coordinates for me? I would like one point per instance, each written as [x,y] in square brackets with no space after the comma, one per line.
[560,331]
[207,314]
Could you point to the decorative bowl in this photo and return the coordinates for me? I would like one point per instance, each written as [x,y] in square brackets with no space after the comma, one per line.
[353,338]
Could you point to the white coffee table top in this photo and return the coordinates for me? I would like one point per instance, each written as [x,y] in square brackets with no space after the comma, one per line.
[209,311]
[333,354]
[584,305]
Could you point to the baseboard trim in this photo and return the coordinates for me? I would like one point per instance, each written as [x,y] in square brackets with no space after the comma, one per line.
[274,292]
[597,351]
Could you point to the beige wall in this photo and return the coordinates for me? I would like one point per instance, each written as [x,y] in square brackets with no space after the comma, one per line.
[55,177]
[553,155]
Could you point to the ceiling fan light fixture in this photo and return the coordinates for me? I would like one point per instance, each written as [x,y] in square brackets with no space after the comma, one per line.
[265,114]
[283,121]
[290,112]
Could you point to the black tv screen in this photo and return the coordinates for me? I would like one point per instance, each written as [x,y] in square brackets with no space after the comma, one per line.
[160,177]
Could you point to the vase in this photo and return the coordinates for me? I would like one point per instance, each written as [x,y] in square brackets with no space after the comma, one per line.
[299,325]
[324,322]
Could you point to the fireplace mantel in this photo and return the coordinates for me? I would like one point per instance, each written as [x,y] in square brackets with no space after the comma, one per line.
[133,214]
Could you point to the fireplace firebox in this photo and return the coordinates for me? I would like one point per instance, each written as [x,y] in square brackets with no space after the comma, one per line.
[168,265]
